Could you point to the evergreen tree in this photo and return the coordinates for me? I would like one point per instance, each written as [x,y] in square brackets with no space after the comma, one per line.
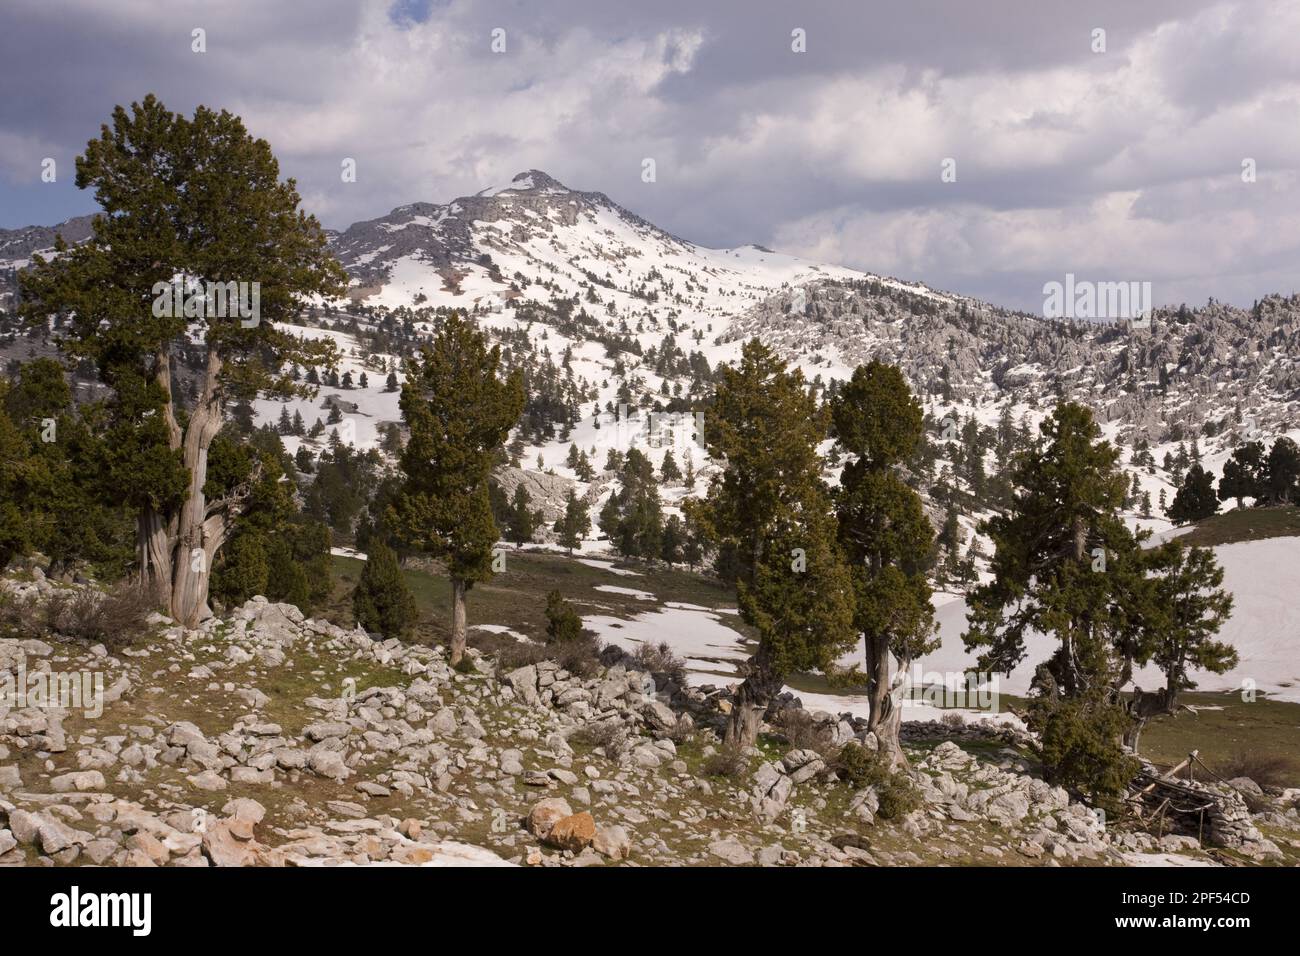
[1066,565]
[1281,472]
[1195,500]
[770,507]
[218,215]
[363,381]
[1184,607]
[575,523]
[1064,519]
[459,412]
[674,537]
[668,471]
[390,383]
[381,601]
[1243,473]
[523,519]
[563,625]
[885,536]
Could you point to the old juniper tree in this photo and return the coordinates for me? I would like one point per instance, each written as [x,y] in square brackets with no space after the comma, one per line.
[1066,565]
[195,226]
[459,410]
[886,537]
[771,505]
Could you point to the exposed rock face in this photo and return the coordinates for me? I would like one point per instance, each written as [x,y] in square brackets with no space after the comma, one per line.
[546,493]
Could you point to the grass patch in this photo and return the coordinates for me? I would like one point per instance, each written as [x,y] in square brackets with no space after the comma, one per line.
[1245,524]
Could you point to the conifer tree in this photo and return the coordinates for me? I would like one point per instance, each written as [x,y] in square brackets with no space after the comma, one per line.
[771,509]
[1242,473]
[563,625]
[886,538]
[1281,472]
[381,601]
[201,199]
[574,524]
[523,519]
[674,538]
[459,411]
[669,471]
[1195,500]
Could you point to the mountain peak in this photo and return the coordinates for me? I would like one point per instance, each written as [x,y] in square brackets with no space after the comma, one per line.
[530,180]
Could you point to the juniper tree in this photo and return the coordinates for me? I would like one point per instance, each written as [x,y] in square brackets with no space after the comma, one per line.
[1195,500]
[886,538]
[1066,565]
[574,524]
[770,508]
[1281,472]
[1183,609]
[1064,522]
[523,519]
[381,601]
[1243,473]
[459,411]
[674,538]
[197,199]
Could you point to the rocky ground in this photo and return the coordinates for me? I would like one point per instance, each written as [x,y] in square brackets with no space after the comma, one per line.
[268,739]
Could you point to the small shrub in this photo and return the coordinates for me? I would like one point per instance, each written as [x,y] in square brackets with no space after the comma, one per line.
[562,621]
[1080,746]
[803,731]
[659,659]
[729,763]
[580,657]
[18,617]
[895,792]
[858,765]
[609,734]
[115,619]
[953,720]
[898,797]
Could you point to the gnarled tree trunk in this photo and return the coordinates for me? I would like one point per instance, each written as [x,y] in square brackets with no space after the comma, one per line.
[458,588]
[753,696]
[176,551]
[886,716]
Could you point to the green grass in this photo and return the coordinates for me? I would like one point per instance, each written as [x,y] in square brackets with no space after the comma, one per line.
[516,598]
[1264,728]
[1245,524]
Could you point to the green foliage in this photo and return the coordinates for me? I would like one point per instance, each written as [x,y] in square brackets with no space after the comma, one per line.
[1281,472]
[574,524]
[861,768]
[633,517]
[524,521]
[1063,522]
[1184,608]
[562,622]
[1243,473]
[381,601]
[459,412]
[53,497]
[1079,745]
[1195,499]
[770,509]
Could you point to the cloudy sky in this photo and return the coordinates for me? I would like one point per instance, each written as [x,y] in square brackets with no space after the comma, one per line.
[1121,164]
